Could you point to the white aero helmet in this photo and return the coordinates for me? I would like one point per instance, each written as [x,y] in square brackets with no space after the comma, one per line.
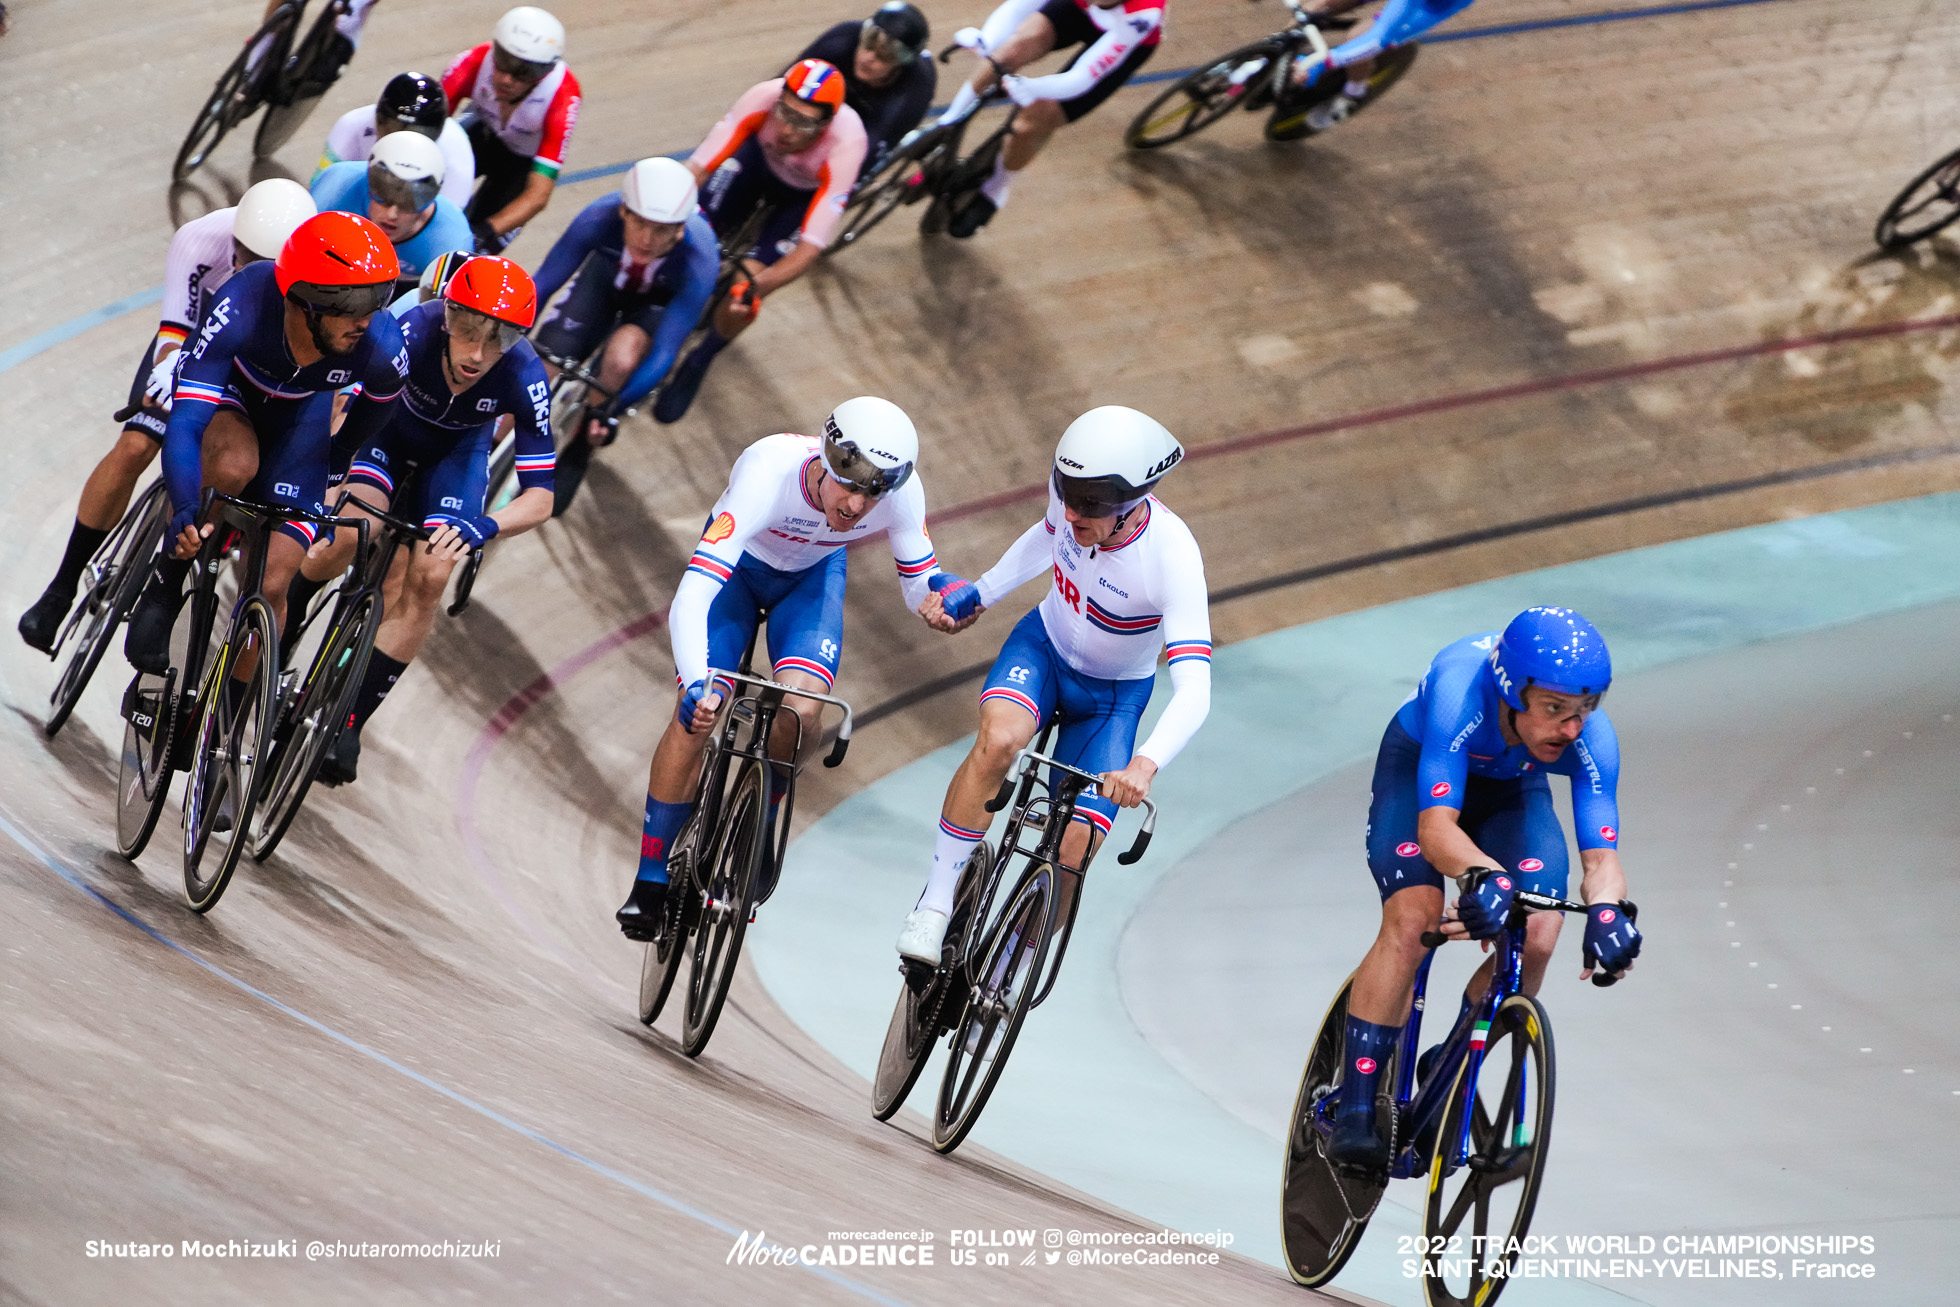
[267,214]
[405,170]
[530,34]
[659,190]
[869,445]
[1110,457]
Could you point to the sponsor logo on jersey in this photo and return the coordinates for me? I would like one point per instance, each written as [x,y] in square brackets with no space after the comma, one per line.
[339,377]
[486,406]
[1067,589]
[1503,882]
[450,501]
[1439,789]
[1606,916]
[1466,732]
[1103,581]
[286,488]
[1608,833]
[1408,849]
[720,529]
[1365,1065]
[1531,864]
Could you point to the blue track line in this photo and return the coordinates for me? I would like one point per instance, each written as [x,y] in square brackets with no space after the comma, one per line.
[61,869]
[74,327]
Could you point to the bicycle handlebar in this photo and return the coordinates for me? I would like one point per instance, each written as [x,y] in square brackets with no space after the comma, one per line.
[1530,902]
[271,513]
[836,755]
[1029,758]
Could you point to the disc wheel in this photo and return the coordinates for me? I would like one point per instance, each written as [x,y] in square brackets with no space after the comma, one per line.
[731,884]
[922,999]
[311,724]
[1004,987]
[143,776]
[1289,120]
[662,959]
[1483,1180]
[234,736]
[1204,95]
[1927,204]
[1323,1212]
[116,575]
[239,92]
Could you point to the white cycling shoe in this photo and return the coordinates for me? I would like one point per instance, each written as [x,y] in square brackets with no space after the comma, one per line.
[1331,113]
[924,936]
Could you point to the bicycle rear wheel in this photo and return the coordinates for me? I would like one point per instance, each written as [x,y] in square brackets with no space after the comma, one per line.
[239,92]
[1322,1212]
[318,716]
[1489,1173]
[234,735]
[1204,95]
[116,575]
[303,79]
[921,1000]
[1013,959]
[1929,202]
[1289,120]
[731,885]
[662,960]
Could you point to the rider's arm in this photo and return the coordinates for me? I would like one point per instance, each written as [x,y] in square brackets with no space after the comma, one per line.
[559,121]
[460,77]
[380,382]
[1455,705]
[201,382]
[1098,61]
[529,405]
[912,551]
[701,263]
[738,515]
[343,139]
[1593,762]
[1187,644]
[838,174]
[743,119]
[1031,556]
[1000,24]
[588,229]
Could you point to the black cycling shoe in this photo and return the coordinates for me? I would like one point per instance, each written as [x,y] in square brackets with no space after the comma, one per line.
[683,384]
[569,474]
[979,211]
[343,761]
[40,624]
[147,643]
[1357,1146]
[639,917]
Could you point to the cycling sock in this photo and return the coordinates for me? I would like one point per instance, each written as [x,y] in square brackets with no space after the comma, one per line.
[996,187]
[663,822]
[382,673]
[83,541]
[711,344]
[299,597]
[949,854]
[1355,90]
[1368,1049]
[168,582]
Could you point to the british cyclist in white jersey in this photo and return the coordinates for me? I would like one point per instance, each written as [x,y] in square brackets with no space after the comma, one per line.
[1126,581]
[775,543]
[203,255]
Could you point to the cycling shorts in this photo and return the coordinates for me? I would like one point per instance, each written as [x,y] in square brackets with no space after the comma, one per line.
[148,417]
[1512,820]
[293,451]
[430,474]
[1072,27]
[504,171]
[741,185]
[805,611]
[1098,717]
[591,308]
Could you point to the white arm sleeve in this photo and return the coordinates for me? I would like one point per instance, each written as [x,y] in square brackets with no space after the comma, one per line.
[1187,642]
[912,551]
[687,624]
[1030,556]
[1000,24]
[737,516]
[1184,714]
[458,163]
[1099,60]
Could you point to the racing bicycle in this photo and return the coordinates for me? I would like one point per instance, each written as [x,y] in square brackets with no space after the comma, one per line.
[1002,953]
[1474,1114]
[110,586]
[270,71]
[1257,76]
[1929,203]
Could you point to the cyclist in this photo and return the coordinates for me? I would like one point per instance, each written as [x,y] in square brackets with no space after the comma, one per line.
[886,80]
[790,144]
[340,46]
[254,398]
[410,102]
[637,267]
[1399,22]
[523,104]
[468,366]
[1461,786]
[1126,580]
[774,542]
[203,255]
[399,190]
[1117,38]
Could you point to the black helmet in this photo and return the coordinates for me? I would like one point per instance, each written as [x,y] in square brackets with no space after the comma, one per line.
[416,101]
[904,24]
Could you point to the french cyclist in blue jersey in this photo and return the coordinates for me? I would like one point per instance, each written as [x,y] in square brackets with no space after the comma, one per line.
[1399,22]
[636,268]
[1461,786]
[252,410]
[469,366]
[398,188]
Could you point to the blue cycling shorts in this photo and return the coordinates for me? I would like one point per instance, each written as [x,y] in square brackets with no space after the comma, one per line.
[1098,717]
[293,451]
[1512,820]
[806,617]
[430,474]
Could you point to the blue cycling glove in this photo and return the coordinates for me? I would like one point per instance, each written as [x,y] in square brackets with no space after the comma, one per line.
[476,531]
[1483,910]
[690,700]
[1612,940]
[959,596]
[182,518]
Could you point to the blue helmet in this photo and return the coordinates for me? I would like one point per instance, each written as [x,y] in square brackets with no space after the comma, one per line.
[1550,647]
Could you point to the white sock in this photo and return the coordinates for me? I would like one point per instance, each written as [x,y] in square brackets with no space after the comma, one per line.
[963,100]
[1355,90]
[949,853]
[996,187]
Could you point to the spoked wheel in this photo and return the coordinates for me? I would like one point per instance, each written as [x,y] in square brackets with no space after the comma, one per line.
[1323,1212]
[1205,95]
[303,80]
[1483,1182]
[239,91]
[143,779]
[902,181]
[234,735]
[924,997]
[305,731]
[662,961]
[1004,988]
[734,872]
[1928,203]
[115,578]
[1289,120]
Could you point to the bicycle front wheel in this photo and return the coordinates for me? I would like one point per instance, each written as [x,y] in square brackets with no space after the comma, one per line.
[115,577]
[234,735]
[662,960]
[1289,120]
[1929,202]
[1490,1158]
[143,776]
[731,886]
[1204,96]
[239,92]
[318,716]
[1323,1212]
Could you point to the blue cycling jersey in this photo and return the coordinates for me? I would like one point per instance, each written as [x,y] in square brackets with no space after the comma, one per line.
[343,187]
[1454,715]
[431,419]
[1400,22]
[684,278]
[240,358]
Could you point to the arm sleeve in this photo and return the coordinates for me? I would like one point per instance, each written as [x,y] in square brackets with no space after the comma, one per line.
[570,249]
[701,257]
[1099,60]
[461,75]
[182,271]
[458,164]
[741,121]
[839,174]
[1454,709]
[1184,714]
[381,381]
[911,547]
[1001,22]
[201,381]
[1187,644]
[737,516]
[343,138]
[1596,785]
[536,456]
[1030,556]
[559,122]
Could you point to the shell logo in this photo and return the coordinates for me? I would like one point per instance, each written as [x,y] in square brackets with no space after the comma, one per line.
[1439,789]
[1408,849]
[720,529]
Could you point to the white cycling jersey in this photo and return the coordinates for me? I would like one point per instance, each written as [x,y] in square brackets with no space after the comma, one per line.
[769,512]
[197,266]
[353,137]
[1110,608]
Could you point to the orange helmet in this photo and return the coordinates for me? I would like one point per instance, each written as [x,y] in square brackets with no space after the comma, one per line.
[338,263]
[817,82]
[488,292]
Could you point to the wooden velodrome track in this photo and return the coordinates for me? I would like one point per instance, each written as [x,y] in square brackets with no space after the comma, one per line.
[1571,289]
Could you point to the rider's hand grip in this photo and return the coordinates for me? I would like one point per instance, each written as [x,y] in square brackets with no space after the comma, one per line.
[1434,939]
[1135,850]
[999,801]
[837,751]
[466,582]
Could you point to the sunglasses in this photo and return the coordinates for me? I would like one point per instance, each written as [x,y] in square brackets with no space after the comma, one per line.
[796,120]
[524,70]
[476,328]
[881,43]
[1090,500]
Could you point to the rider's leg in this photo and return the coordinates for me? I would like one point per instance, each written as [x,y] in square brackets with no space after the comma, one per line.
[1006,726]
[230,461]
[105,497]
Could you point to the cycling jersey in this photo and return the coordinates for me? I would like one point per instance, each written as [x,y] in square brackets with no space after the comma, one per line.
[889,111]
[1454,715]
[344,187]
[768,513]
[1112,607]
[199,262]
[1124,29]
[1399,22]
[539,128]
[351,140]
[827,168]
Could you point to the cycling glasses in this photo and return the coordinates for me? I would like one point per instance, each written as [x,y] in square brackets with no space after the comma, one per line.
[477,328]
[524,70]
[1097,497]
[854,470]
[385,186]
[342,301]
[883,44]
